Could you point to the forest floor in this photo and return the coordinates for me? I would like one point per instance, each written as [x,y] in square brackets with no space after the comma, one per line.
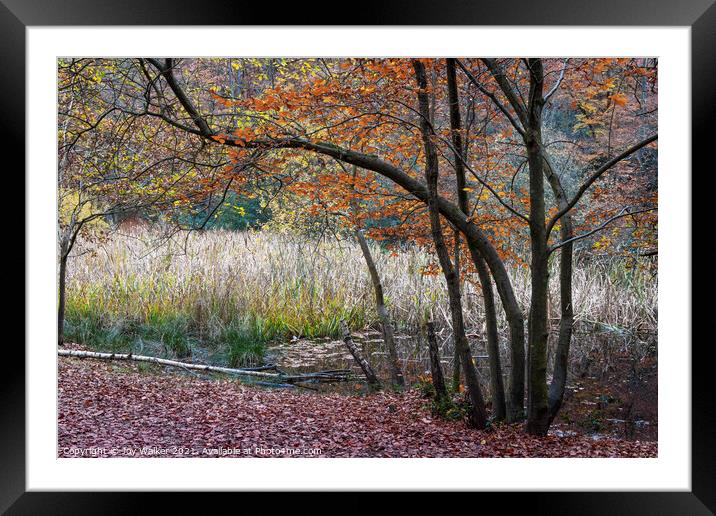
[133,410]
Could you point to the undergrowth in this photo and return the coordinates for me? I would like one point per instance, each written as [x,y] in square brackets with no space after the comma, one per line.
[235,292]
[451,407]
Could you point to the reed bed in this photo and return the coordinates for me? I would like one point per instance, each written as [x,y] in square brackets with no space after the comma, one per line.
[236,291]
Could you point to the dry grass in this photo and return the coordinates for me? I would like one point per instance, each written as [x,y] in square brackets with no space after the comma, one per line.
[221,286]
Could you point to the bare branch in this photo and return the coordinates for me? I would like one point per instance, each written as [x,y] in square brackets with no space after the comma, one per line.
[623,213]
[492,97]
[507,89]
[167,70]
[558,83]
[596,175]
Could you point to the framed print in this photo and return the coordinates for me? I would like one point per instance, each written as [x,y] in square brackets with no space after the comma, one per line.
[360,244]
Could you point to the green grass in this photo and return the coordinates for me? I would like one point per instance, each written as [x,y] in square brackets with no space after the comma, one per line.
[171,330]
[245,343]
[99,330]
[242,339]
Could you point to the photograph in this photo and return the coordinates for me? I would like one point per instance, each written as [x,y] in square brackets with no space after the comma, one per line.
[357,257]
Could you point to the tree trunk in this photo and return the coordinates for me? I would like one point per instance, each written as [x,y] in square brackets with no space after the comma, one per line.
[566,324]
[515,320]
[385,322]
[362,362]
[478,415]
[497,386]
[436,370]
[62,300]
[537,402]
[493,347]
[566,321]
[456,355]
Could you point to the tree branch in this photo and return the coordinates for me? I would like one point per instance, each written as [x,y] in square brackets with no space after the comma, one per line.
[492,97]
[596,175]
[557,84]
[624,213]
[167,71]
[506,88]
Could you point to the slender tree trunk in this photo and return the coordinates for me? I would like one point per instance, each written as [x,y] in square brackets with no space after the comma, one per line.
[436,370]
[478,415]
[456,355]
[537,401]
[455,124]
[566,324]
[385,322]
[67,243]
[493,347]
[566,321]
[62,300]
[493,350]
[515,320]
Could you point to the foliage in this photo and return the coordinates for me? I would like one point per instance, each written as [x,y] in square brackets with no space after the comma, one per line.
[453,407]
[361,104]
[72,205]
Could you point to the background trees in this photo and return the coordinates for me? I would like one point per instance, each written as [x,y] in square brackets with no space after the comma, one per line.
[451,154]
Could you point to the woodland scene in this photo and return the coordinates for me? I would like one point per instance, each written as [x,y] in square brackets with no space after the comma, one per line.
[357,257]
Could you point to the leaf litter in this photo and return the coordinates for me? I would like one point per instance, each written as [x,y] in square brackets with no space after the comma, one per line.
[111,410]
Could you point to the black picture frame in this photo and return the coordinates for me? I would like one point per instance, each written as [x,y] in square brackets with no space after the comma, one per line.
[700,15]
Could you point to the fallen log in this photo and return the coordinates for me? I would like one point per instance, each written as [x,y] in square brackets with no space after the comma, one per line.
[267,367]
[321,376]
[163,361]
[362,362]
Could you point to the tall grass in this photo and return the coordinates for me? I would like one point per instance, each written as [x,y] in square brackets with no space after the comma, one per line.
[239,290]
